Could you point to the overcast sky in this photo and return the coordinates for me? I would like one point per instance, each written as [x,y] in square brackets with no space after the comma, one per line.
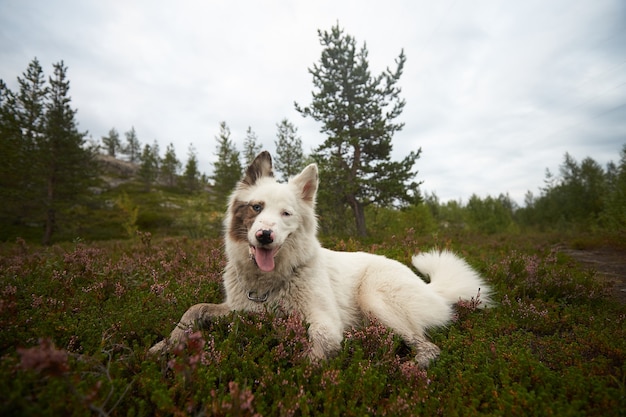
[496,91]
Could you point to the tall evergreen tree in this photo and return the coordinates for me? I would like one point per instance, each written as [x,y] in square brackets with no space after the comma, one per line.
[156,150]
[170,165]
[289,155]
[149,166]
[32,97]
[67,165]
[13,169]
[227,169]
[133,146]
[112,142]
[614,213]
[251,146]
[47,164]
[21,125]
[191,174]
[358,111]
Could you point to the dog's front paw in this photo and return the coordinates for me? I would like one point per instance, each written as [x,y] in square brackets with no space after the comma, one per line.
[426,353]
[158,349]
[179,334]
[316,355]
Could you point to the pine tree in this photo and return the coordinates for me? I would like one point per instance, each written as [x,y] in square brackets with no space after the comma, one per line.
[13,169]
[67,165]
[357,111]
[112,142]
[149,166]
[251,147]
[133,146]
[156,150]
[191,175]
[227,169]
[10,149]
[47,166]
[289,158]
[614,213]
[21,124]
[32,96]
[170,165]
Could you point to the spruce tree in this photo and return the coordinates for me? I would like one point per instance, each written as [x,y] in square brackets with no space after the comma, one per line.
[133,146]
[21,124]
[149,166]
[66,163]
[47,166]
[32,97]
[13,170]
[358,112]
[227,169]
[191,174]
[170,165]
[112,142]
[289,158]
[251,147]
[614,214]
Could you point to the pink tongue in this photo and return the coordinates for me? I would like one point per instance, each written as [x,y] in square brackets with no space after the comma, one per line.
[264,259]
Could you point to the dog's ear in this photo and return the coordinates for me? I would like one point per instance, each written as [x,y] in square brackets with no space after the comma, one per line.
[260,167]
[306,183]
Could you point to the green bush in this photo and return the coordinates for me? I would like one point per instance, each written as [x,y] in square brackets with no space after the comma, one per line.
[154,220]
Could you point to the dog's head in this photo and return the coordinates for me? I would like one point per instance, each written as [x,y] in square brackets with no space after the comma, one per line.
[266,215]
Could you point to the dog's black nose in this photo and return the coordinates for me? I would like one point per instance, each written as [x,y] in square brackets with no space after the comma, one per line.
[264,237]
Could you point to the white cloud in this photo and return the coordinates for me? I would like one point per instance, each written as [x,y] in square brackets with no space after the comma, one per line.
[496,91]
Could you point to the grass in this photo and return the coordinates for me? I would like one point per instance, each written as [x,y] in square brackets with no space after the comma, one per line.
[76,321]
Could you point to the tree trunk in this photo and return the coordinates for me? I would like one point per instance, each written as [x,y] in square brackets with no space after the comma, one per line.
[50,214]
[359,215]
[50,221]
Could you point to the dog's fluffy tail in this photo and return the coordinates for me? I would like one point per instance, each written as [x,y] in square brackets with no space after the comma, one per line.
[452,277]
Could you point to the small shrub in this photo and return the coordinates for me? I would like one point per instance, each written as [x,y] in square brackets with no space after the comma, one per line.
[130,211]
[546,276]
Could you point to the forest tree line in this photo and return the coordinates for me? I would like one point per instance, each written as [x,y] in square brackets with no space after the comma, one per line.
[357,111]
[582,195]
[47,163]
[50,166]
[168,170]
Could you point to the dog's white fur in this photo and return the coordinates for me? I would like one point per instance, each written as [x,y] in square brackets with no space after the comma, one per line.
[274,258]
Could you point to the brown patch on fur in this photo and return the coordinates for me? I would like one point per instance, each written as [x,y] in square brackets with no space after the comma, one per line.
[243,216]
[260,167]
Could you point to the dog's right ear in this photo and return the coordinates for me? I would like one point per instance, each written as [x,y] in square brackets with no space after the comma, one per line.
[307,182]
[260,167]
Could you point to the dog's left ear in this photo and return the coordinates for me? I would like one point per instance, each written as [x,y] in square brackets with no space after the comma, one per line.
[306,183]
[260,167]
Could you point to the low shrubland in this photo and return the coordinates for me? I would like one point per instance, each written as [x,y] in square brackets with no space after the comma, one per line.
[77,320]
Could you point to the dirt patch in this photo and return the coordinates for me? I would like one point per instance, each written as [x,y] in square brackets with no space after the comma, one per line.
[609,264]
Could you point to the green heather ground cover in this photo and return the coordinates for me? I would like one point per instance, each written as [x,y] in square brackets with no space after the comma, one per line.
[77,319]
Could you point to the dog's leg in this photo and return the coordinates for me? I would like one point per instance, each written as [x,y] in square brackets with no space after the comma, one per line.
[325,342]
[406,321]
[196,314]
[426,351]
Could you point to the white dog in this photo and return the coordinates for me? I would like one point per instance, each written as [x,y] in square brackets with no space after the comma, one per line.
[275,259]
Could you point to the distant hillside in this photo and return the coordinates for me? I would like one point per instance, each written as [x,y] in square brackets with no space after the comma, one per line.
[116,171]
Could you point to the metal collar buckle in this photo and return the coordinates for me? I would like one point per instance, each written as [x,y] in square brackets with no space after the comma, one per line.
[252,296]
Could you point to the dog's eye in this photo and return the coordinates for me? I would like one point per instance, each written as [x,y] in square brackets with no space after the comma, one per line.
[257,208]
[286,213]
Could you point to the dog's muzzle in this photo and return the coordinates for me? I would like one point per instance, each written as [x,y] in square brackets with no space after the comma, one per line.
[265,237]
